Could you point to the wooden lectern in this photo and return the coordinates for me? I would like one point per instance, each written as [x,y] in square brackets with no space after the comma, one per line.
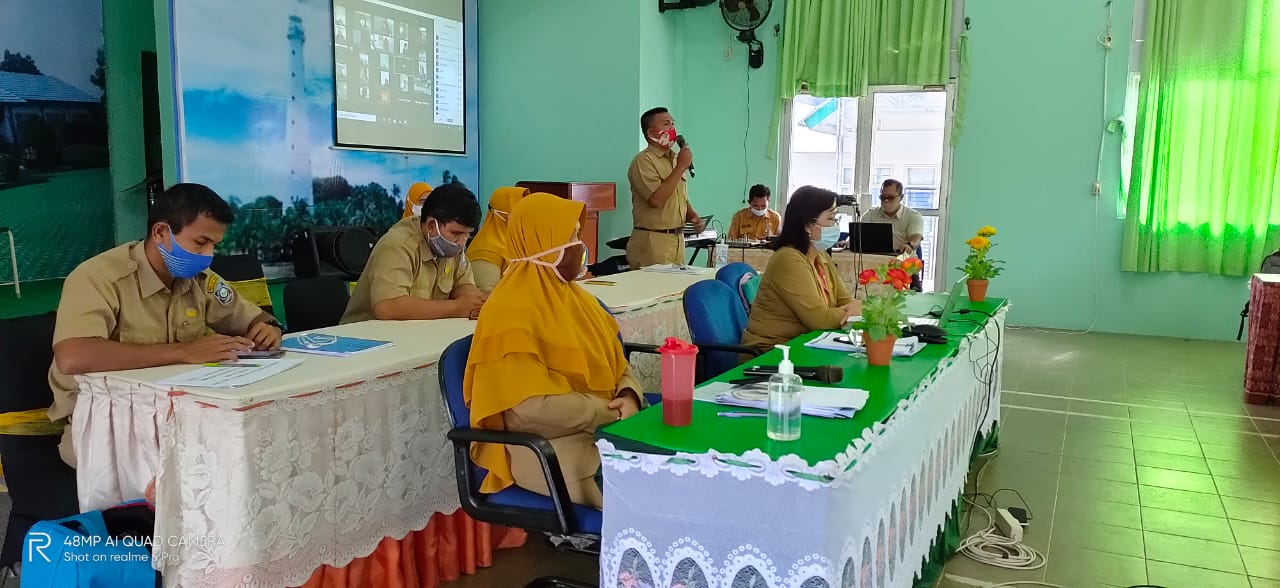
[597,196]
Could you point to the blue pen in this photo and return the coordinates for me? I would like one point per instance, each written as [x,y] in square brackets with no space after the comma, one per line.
[736,415]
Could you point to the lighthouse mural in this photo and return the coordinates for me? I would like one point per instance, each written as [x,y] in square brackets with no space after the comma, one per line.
[256,125]
[296,112]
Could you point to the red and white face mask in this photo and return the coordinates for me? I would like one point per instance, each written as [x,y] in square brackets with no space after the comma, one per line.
[666,138]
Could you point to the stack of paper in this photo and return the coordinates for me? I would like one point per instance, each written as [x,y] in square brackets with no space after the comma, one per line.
[831,403]
[834,341]
[230,375]
[325,344]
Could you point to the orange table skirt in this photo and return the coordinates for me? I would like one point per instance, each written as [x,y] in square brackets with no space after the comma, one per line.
[450,546]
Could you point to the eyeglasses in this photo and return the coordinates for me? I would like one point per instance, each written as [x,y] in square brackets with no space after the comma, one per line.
[884,198]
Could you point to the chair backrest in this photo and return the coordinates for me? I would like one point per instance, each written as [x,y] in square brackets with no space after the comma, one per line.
[40,485]
[453,366]
[743,279]
[26,352]
[716,317]
[244,274]
[315,303]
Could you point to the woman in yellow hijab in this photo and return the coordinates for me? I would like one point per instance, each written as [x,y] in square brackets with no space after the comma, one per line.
[413,200]
[488,252]
[546,357]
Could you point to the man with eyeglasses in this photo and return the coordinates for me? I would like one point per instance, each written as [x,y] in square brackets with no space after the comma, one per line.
[908,225]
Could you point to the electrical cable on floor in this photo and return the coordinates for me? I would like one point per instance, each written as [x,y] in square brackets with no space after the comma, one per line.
[988,546]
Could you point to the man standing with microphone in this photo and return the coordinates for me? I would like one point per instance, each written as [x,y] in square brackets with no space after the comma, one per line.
[659,196]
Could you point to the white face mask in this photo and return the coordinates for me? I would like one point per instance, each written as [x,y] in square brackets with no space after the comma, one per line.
[417,210]
[759,212]
[554,265]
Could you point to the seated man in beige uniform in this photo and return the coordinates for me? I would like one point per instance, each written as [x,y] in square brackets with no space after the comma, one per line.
[659,198]
[417,270]
[757,222]
[908,225]
[154,302]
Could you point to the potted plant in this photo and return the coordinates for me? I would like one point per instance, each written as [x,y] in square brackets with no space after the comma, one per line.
[882,315]
[978,268]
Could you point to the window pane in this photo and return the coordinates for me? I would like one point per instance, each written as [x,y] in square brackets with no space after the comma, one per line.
[823,141]
[908,134]
[922,176]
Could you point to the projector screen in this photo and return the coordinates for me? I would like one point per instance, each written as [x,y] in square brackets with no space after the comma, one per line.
[399,75]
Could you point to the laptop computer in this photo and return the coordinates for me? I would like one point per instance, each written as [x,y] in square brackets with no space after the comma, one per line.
[706,222]
[938,334]
[871,238]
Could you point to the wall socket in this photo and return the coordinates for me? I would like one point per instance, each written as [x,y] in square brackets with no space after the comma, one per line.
[728,53]
[1097,188]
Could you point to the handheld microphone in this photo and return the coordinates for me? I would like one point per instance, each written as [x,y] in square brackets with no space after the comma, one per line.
[681,142]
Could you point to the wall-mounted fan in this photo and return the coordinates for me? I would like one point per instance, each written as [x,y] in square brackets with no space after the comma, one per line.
[745,16]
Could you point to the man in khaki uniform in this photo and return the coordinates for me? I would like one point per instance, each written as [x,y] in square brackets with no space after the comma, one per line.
[659,197]
[418,269]
[757,221]
[154,302]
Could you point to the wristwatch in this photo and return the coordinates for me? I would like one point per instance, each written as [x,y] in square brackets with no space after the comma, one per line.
[275,323]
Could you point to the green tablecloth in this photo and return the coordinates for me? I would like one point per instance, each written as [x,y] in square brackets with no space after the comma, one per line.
[821,439]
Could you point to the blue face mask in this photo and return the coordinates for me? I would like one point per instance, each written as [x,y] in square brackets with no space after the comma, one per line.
[830,236]
[182,263]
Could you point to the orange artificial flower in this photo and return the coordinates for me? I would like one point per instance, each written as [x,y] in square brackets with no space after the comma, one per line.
[979,242]
[987,231]
[912,265]
[898,278]
[868,276]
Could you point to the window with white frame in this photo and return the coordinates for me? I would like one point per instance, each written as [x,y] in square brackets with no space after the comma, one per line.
[855,144]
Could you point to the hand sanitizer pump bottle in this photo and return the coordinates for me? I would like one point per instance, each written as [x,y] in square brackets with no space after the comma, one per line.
[784,400]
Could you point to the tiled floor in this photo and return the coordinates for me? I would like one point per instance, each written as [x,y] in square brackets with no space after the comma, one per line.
[1138,460]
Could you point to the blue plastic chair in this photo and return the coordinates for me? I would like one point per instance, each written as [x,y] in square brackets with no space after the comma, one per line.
[514,506]
[738,276]
[716,321]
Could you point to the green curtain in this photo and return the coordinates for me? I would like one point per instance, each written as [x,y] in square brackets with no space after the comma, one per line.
[836,48]
[1204,195]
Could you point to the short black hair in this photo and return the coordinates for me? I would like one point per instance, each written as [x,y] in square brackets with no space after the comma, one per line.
[758,191]
[646,119]
[806,204]
[892,182]
[182,204]
[452,203]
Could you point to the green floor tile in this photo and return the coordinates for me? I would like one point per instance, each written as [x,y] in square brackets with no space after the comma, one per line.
[1259,535]
[1173,575]
[1106,438]
[1172,446]
[1102,470]
[1187,524]
[1149,476]
[1081,509]
[1181,500]
[1252,510]
[1098,490]
[1169,461]
[1262,563]
[1098,537]
[1224,557]
[1076,567]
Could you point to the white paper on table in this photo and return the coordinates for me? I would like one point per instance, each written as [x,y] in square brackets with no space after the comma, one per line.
[922,320]
[231,375]
[819,401]
[668,268]
[903,347]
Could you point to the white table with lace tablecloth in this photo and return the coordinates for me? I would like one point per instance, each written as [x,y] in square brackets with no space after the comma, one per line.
[264,484]
[757,515]
[649,306]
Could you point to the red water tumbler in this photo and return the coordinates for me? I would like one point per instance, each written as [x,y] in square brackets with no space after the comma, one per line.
[678,361]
